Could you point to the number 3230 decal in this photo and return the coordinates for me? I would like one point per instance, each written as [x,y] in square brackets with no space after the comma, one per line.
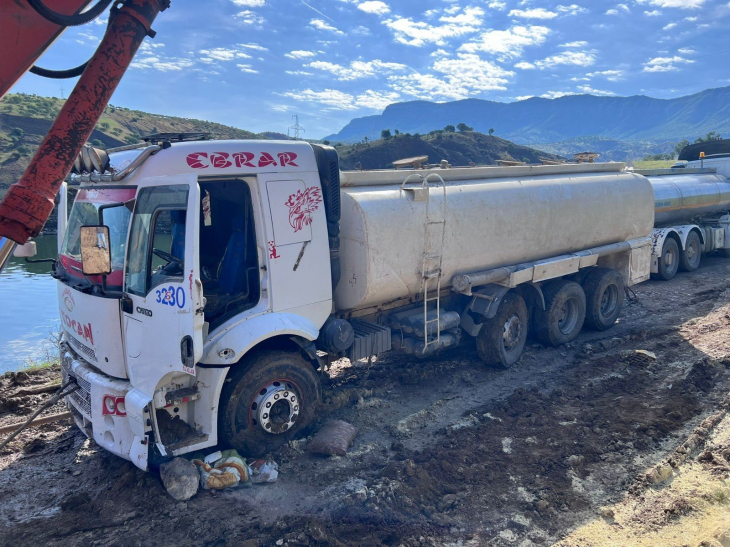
[171,296]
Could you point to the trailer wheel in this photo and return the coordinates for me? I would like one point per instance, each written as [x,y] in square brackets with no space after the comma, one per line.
[669,260]
[502,338]
[604,290]
[565,311]
[689,259]
[267,401]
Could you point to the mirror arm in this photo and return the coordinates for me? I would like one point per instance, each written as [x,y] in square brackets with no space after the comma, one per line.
[40,260]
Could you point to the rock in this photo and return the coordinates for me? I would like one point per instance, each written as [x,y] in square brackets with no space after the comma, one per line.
[180,478]
[22,378]
[542,506]
[660,473]
[75,500]
[607,512]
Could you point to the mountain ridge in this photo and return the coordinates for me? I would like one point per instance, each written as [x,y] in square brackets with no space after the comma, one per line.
[538,120]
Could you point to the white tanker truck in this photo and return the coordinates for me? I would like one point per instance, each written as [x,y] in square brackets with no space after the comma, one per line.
[202,285]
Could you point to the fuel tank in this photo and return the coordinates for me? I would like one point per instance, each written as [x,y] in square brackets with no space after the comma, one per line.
[488,222]
[683,197]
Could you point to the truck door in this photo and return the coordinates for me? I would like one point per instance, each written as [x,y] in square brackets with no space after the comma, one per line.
[163,302]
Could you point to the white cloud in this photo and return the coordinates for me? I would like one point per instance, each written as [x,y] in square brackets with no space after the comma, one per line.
[377,100]
[686,51]
[321,24]
[247,68]
[592,91]
[577,58]
[170,64]
[374,6]
[463,76]
[338,100]
[524,65]
[610,75]
[534,13]
[681,4]
[575,44]
[419,33]
[556,94]
[573,9]
[510,43]
[497,4]
[257,47]
[299,73]
[620,8]
[300,54]
[670,26]
[665,64]
[653,13]
[248,17]
[357,69]
[249,3]
[221,54]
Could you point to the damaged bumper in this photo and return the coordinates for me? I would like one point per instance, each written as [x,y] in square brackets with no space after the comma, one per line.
[108,410]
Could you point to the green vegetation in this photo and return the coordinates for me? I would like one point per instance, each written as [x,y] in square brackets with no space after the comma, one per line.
[658,164]
[24,119]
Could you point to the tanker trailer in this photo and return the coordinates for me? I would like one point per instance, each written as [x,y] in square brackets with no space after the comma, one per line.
[491,252]
[691,218]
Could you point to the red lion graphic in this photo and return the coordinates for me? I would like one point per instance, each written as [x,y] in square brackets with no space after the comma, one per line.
[302,205]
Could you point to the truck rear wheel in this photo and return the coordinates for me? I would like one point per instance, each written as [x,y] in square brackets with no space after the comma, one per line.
[502,339]
[604,290]
[565,311]
[267,401]
[669,260]
[689,259]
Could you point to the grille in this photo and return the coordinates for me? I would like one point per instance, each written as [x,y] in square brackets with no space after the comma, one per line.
[83,348]
[81,398]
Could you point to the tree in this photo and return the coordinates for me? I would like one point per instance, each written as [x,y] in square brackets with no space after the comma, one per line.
[450,128]
[326,142]
[462,127]
[366,140]
[385,134]
[711,136]
[491,131]
[680,146]
[397,132]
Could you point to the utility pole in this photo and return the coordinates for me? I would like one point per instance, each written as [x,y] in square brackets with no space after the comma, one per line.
[296,128]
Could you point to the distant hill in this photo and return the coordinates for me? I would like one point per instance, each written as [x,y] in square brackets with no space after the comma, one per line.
[25,120]
[537,120]
[610,149]
[456,148]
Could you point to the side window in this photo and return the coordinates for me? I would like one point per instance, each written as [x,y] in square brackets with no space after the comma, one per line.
[157,238]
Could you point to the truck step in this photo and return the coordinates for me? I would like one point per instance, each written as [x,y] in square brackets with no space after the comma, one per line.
[370,339]
[181,396]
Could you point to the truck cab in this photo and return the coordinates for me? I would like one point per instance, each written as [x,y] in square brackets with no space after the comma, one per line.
[215,252]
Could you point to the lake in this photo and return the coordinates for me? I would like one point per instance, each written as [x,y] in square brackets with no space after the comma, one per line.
[29,317]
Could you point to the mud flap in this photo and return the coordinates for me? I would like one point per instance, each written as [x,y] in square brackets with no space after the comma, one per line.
[485,302]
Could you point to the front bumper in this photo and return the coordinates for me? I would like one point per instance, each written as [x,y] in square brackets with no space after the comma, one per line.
[123,434]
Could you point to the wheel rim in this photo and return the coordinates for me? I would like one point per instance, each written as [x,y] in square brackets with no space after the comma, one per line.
[692,251]
[512,333]
[568,316]
[669,258]
[276,407]
[609,300]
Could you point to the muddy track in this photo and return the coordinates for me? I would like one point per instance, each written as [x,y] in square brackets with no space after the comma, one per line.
[449,453]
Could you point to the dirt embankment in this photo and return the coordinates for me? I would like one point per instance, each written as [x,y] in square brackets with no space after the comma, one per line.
[588,445]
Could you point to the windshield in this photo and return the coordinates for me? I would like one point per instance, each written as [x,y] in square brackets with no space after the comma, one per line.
[85,212]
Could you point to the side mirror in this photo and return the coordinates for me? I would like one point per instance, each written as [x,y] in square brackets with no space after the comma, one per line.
[96,254]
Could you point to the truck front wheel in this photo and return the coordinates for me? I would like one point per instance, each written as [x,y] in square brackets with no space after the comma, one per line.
[501,340]
[266,401]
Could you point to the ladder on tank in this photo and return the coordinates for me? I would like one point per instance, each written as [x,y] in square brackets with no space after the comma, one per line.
[431,270]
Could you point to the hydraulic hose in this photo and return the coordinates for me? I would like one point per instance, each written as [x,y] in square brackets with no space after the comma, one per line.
[69,20]
[59,74]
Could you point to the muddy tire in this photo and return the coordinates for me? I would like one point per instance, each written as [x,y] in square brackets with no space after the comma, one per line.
[267,400]
[604,289]
[689,259]
[668,261]
[565,311]
[501,340]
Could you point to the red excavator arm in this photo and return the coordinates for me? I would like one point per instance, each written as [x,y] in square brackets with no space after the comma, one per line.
[25,34]
[27,27]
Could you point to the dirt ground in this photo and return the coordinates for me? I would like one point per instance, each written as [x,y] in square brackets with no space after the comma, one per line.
[588,445]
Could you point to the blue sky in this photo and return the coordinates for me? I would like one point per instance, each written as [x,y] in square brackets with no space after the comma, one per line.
[255,63]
